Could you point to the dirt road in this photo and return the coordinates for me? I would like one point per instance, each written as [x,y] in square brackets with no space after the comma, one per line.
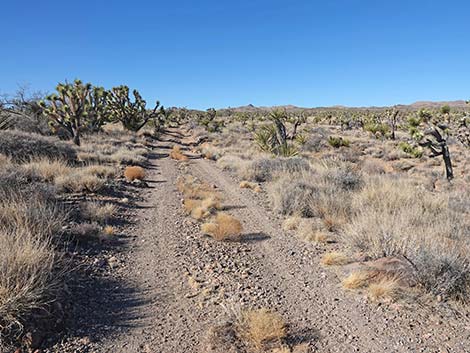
[184,283]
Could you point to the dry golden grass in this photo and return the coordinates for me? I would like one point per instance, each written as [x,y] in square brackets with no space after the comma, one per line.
[192,188]
[261,326]
[200,209]
[250,185]
[79,182]
[386,288]
[357,279]
[108,231]
[100,171]
[127,156]
[28,261]
[132,173]
[189,205]
[334,258]
[97,212]
[223,228]
[46,169]
[291,223]
[176,154]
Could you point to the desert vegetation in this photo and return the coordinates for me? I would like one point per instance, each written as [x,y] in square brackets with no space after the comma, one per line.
[365,183]
[380,196]
[56,194]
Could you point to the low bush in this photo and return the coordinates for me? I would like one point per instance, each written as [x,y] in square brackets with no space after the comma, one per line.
[338,142]
[410,150]
[132,173]
[266,169]
[393,217]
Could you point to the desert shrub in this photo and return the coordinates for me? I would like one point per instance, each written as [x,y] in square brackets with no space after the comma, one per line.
[315,143]
[344,178]
[411,150]
[377,128]
[22,146]
[292,196]
[266,169]
[338,142]
[134,173]
[394,218]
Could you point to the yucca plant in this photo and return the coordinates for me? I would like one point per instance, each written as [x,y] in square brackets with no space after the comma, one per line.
[273,138]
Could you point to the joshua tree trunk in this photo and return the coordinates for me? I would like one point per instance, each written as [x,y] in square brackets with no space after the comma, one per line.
[439,147]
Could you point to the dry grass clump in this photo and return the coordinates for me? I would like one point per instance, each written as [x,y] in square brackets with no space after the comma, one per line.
[259,327]
[209,151]
[176,154]
[79,181]
[22,146]
[294,196]
[46,169]
[266,169]
[249,185]
[128,156]
[335,258]
[231,163]
[200,209]
[385,288]
[358,279]
[326,192]
[224,228]
[28,276]
[291,223]
[192,188]
[109,230]
[101,171]
[395,218]
[132,173]
[97,212]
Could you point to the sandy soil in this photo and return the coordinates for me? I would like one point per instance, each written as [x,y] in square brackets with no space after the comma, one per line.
[179,283]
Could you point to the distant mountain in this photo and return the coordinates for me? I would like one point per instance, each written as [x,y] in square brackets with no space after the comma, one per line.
[414,106]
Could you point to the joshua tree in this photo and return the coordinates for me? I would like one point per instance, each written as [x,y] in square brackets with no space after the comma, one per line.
[296,120]
[98,112]
[69,107]
[133,115]
[393,116]
[437,143]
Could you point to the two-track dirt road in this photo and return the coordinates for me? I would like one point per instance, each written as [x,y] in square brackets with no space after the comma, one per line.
[184,283]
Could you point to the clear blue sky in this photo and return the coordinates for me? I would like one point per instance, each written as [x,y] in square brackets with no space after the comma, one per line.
[217,53]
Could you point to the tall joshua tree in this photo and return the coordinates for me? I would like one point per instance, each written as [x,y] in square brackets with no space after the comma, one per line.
[68,107]
[437,143]
[132,114]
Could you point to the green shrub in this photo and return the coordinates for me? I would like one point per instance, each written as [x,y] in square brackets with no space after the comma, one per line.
[411,150]
[338,142]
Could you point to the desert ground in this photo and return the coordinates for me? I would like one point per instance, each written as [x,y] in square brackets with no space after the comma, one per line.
[234,230]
